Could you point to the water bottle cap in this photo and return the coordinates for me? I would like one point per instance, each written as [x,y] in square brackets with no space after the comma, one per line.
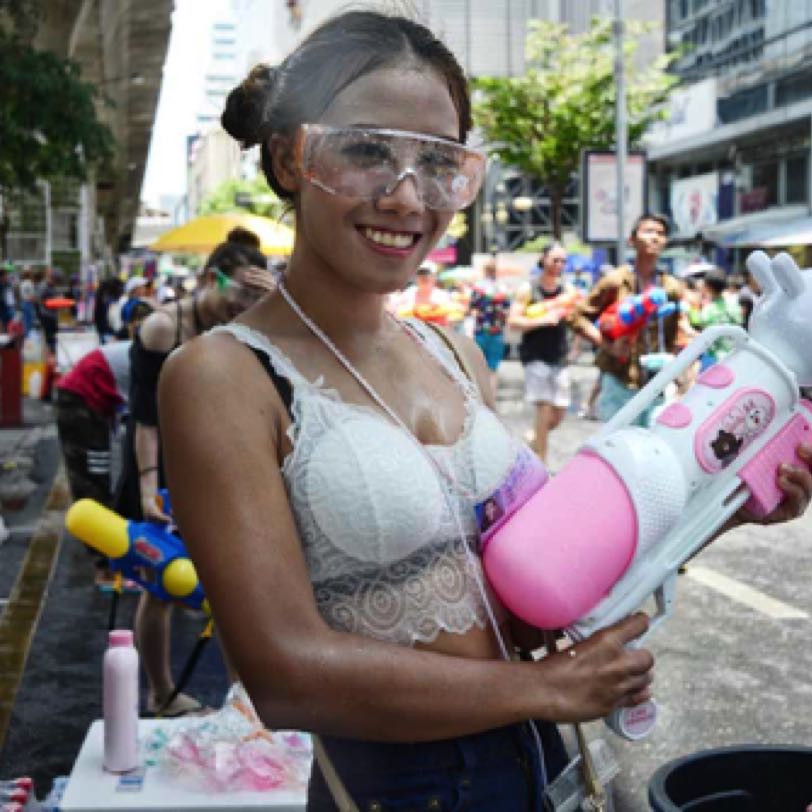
[120,637]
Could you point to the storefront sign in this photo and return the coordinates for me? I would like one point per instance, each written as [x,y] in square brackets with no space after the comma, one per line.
[695,203]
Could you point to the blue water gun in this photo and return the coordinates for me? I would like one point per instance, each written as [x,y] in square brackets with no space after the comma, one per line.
[145,552]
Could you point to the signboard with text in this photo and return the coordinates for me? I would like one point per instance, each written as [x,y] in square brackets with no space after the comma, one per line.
[599,184]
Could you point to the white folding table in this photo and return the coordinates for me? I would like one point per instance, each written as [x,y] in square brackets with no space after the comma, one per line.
[91,789]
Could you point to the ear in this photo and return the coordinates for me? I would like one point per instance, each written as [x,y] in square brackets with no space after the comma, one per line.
[283,160]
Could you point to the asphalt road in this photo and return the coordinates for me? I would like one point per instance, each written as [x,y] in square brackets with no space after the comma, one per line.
[733,663]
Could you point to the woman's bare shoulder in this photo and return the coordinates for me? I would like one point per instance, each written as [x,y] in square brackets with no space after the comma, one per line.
[221,372]
[213,359]
[159,330]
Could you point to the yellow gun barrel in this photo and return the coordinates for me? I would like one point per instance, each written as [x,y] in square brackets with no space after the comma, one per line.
[98,527]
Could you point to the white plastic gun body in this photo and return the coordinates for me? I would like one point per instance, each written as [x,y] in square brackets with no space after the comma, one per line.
[613,527]
[703,458]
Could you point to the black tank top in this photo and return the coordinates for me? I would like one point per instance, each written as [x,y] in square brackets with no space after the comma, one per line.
[548,344]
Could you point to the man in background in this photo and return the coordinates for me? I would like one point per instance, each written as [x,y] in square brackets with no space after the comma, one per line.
[543,349]
[620,360]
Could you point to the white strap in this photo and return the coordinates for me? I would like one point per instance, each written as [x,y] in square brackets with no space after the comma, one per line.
[331,777]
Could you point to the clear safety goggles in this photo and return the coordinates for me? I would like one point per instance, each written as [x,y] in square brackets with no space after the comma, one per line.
[369,164]
[245,294]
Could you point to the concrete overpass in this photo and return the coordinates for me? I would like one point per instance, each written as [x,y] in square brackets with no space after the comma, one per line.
[121,46]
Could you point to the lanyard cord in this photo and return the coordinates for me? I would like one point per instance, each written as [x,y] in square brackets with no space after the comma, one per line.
[442,475]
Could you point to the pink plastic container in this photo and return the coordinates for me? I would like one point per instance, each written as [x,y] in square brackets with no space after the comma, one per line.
[120,702]
[559,554]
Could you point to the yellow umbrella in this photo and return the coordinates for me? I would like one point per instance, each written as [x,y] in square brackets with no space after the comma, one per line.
[201,235]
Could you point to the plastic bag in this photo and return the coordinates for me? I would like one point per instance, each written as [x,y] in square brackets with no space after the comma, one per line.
[230,750]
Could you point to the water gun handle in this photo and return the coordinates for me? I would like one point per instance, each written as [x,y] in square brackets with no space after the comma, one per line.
[635,723]
[655,387]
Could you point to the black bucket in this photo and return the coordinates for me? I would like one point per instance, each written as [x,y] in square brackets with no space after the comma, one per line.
[746,778]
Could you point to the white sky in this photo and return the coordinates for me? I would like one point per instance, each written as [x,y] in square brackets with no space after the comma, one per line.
[181,95]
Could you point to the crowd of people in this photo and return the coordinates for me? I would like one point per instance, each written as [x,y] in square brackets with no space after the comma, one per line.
[551,317]
[329,437]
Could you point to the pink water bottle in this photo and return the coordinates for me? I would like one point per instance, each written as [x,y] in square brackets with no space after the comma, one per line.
[120,680]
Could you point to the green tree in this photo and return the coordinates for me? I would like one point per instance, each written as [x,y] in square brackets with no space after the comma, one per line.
[49,123]
[230,194]
[541,122]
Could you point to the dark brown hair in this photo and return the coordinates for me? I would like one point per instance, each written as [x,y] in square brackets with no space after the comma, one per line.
[244,237]
[276,100]
[657,218]
[241,248]
[549,247]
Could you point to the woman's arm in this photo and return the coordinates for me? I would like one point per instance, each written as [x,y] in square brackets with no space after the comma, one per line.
[157,336]
[147,456]
[222,426]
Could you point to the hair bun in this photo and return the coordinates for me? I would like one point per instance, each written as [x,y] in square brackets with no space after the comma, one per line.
[245,113]
[243,236]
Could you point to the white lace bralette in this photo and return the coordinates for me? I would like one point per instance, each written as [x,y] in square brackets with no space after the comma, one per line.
[384,552]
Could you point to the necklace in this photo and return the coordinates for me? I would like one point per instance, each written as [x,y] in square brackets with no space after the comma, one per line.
[341,358]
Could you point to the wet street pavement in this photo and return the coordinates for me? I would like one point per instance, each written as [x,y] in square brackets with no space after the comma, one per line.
[733,663]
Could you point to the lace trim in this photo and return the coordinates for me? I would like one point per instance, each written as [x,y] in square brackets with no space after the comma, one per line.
[286,368]
[411,601]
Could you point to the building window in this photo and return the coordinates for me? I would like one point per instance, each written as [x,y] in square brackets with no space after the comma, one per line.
[763,191]
[65,233]
[793,88]
[797,169]
[743,104]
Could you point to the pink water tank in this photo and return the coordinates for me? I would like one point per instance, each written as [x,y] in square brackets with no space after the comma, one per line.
[560,554]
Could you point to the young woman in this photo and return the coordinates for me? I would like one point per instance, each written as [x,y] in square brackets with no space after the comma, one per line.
[233,278]
[329,508]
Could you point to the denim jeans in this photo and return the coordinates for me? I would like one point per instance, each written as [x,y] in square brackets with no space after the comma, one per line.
[495,771]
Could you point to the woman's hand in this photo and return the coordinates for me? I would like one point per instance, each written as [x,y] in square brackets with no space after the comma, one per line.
[151,509]
[260,278]
[796,483]
[601,673]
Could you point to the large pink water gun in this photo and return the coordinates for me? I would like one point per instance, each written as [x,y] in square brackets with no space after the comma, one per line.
[612,528]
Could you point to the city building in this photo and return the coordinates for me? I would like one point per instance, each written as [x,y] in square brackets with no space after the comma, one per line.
[222,73]
[213,158]
[732,166]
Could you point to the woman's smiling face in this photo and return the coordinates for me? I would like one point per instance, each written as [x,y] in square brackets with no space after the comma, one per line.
[377,245]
